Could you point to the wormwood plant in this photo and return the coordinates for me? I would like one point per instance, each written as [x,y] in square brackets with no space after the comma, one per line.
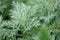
[29,19]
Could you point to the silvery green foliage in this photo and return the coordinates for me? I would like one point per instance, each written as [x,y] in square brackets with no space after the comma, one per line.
[30,16]
[25,15]
[7,29]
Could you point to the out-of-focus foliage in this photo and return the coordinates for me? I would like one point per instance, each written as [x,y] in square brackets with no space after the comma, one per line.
[29,19]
